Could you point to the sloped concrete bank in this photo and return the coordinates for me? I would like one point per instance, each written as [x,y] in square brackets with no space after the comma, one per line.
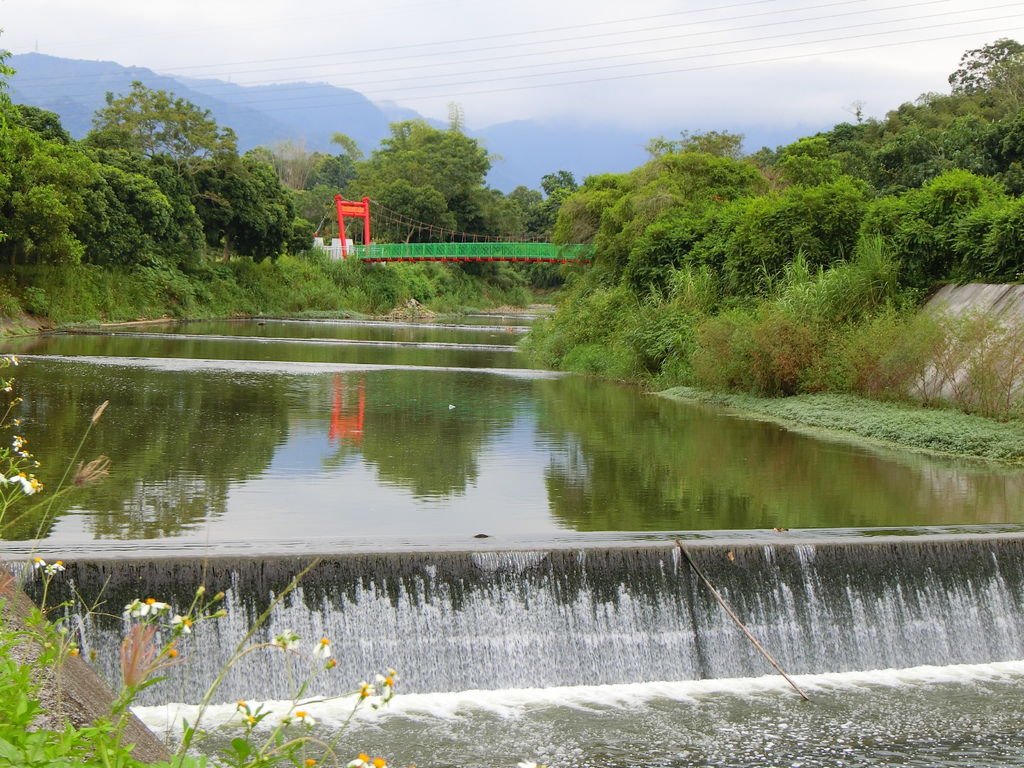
[1003,302]
[74,693]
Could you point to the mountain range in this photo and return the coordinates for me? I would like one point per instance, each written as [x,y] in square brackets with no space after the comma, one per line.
[309,112]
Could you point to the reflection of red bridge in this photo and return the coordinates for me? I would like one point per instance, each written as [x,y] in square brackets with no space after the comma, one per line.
[347,426]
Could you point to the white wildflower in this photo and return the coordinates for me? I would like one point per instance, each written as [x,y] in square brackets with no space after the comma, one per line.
[323,649]
[287,640]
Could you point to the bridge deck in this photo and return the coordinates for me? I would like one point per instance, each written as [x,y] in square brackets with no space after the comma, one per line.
[473,252]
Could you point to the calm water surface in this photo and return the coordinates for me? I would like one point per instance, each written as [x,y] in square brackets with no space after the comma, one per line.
[289,432]
[433,332]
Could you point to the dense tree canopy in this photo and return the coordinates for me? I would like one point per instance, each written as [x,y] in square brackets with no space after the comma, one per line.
[155,123]
[159,183]
[797,269]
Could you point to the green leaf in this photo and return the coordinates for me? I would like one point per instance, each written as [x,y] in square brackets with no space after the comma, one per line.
[242,748]
[9,752]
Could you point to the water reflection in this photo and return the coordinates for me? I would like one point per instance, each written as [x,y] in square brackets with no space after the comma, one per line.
[647,463]
[240,452]
[347,426]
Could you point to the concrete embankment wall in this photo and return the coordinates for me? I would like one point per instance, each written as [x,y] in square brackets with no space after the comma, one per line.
[72,693]
[1005,302]
[980,370]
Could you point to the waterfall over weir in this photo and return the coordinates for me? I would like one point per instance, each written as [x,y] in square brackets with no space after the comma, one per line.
[451,621]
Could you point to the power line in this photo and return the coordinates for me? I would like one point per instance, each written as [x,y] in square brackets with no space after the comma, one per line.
[548,30]
[793,57]
[412,95]
[446,52]
[638,41]
[363,84]
[699,68]
[399,94]
[275,98]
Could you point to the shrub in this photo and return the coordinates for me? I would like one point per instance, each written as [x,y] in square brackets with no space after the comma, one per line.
[783,350]
[922,224]
[723,356]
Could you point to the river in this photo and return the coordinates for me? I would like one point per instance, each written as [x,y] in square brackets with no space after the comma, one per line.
[470,504]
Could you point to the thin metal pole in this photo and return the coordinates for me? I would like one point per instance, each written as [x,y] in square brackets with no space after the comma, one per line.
[721,601]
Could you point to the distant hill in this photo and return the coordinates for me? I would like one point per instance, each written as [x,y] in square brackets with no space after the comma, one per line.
[311,112]
[76,89]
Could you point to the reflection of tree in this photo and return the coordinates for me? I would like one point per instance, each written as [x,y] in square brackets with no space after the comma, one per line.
[176,440]
[417,441]
[630,462]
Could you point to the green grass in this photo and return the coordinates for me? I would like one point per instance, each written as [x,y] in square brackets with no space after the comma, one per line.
[305,285]
[909,426]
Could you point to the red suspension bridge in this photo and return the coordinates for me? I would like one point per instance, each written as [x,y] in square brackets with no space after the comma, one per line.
[429,242]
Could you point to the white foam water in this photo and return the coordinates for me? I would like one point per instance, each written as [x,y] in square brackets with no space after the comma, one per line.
[515,702]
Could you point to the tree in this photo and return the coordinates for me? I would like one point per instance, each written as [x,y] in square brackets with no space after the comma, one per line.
[424,157]
[349,145]
[558,184]
[43,123]
[718,143]
[994,69]
[127,220]
[540,217]
[456,117]
[155,123]
[809,162]
[5,179]
[922,224]
[244,208]
[293,163]
[45,183]
[419,205]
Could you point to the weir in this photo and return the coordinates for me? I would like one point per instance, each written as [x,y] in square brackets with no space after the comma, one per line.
[453,621]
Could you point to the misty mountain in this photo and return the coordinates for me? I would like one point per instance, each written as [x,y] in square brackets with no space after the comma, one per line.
[312,112]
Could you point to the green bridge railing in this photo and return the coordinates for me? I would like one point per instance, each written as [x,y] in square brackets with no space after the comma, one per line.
[546,252]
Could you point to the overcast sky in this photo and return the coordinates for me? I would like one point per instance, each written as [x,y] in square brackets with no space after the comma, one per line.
[653,65]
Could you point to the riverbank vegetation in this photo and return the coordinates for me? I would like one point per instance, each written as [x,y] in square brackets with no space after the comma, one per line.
[802,270]
[155,212]
[939,431]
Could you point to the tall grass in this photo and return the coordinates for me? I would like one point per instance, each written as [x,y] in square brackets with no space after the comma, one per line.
[306,283]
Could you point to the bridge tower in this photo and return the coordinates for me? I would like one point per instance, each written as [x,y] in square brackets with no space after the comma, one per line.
[353,210]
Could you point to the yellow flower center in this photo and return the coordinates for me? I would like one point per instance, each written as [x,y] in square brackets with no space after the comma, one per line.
[379,762]
[150,600]
[301,713]
[310,762]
